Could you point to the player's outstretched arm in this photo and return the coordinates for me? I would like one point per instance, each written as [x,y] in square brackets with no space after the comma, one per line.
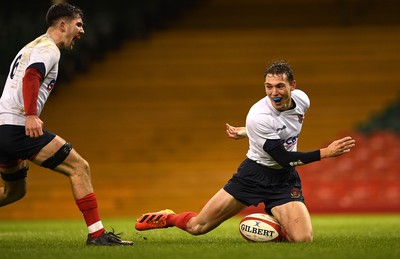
[338,147]
[235,132]
[275,148]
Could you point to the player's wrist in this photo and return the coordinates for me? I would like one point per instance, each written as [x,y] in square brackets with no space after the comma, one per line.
[242,132]
[323,153]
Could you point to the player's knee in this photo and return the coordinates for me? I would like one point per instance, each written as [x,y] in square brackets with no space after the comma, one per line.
[84,166]
[13,191]
[13,195]
[306,238]
[302,237]
[81,169]
[15,184]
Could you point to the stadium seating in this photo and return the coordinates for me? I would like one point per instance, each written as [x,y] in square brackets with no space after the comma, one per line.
[368,179]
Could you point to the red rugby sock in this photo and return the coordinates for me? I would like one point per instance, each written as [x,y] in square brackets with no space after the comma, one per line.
[88,206]
[180,220]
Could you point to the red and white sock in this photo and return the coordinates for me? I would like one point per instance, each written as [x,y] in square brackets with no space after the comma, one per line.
[88,206]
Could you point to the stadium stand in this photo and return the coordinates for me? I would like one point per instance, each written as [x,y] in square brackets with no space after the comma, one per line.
[389,120]
[369,179]
[107,24]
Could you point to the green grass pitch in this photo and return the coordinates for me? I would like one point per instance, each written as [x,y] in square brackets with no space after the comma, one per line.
[335,236]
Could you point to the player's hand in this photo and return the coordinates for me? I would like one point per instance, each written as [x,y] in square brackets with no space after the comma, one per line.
[235,132]
[338,147]
[33,126]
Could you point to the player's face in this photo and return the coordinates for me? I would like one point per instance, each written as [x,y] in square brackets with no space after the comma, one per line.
[73,32]
[278,90]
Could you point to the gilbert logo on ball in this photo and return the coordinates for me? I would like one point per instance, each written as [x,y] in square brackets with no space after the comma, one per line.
[259,227]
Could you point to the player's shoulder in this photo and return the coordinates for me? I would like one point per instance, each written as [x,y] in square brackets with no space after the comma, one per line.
[46,43]
[301,97]
[43,49]
[261,105]
[260,112]
[300,94]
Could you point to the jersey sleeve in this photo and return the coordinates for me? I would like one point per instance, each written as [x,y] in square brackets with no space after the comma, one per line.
[285,158]
[301,99]
[263,129]
[30,90]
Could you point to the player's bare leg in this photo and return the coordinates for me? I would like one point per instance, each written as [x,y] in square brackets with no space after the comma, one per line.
[74,166]
[78,171]
[219,208]
[13,190]
[295,220]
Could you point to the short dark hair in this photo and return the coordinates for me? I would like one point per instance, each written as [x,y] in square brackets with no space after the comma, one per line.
[60,10]
[280,67]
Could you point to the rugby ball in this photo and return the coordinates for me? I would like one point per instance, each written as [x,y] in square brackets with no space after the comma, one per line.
[259,227]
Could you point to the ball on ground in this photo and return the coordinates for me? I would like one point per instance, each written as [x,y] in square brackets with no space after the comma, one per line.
[259,227]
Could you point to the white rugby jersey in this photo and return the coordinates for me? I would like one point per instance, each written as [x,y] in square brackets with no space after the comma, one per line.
[41,50]
[265,122]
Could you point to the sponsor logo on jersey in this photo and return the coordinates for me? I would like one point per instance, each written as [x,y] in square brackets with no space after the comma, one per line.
[289,142]
[296,163]
[301,118]
[50,86]
[292,140]
[280,129]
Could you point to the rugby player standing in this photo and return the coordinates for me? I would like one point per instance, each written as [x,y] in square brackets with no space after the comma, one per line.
[32,76]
